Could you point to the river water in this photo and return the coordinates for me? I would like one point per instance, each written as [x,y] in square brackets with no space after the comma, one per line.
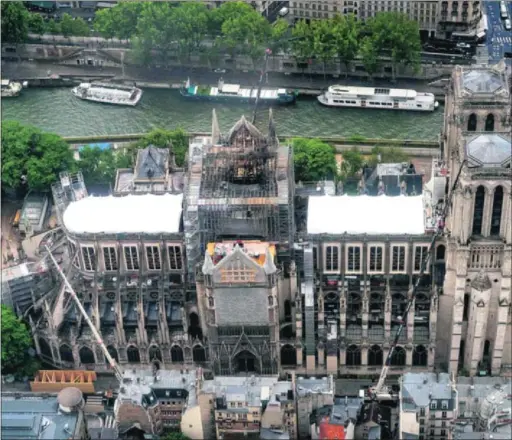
[57,110]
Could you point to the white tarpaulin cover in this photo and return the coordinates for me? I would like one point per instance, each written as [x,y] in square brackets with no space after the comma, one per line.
[366,214]
[147,213]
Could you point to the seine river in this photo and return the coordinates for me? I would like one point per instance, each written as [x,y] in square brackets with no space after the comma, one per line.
[57,110]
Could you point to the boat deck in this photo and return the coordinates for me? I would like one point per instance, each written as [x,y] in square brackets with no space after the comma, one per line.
[114,93]
[251,93]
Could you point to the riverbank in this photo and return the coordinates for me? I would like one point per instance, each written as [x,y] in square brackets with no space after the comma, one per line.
[173,78]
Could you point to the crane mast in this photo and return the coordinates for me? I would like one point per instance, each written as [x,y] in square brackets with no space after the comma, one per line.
[376,391]
[117,370]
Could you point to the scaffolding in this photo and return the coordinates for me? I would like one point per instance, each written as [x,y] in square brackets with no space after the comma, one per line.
[69,188]
[237,187]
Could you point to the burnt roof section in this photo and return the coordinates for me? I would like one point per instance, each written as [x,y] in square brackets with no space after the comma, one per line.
[489,150]
[152,163]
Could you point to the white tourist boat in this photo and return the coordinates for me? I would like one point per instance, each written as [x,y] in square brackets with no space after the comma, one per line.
[108,93]
[378,97]
[10,88]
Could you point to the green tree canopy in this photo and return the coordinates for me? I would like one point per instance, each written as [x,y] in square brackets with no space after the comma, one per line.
[16,340]
[119,21]
[29,152]
[369,54]
[177,140]
[36,24]
[313,159]
[388,155]
[352,162]
[302,45]
[323,40]
[395,32]
[15,20]
[99,166]
[175,436]
[191,26]
[346,32]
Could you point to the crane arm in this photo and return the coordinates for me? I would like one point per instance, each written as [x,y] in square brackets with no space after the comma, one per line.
[424,264]
[117,370]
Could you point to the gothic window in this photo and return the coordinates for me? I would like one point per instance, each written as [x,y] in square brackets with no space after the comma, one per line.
[478,213]
[472,121]
[353,355]
[315,258]
[89,258]
[497,205]
[175,261]
[332,258]
[354,259]
[419,356]
[375,356]
[131,257]
[270,300]
[420,255]
[153,257]
[489,122]
[440,252]
[398,357]
[110,258]
[211,302]
[375,264]
[398,259]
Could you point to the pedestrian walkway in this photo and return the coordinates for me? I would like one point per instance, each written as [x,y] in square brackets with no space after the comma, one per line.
[502,40]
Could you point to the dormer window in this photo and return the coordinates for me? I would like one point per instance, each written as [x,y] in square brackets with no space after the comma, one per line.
[433,405]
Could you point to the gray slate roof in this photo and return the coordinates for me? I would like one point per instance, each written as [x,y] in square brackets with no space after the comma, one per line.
[482,81]
[424,387]
[489,150]
[241,306]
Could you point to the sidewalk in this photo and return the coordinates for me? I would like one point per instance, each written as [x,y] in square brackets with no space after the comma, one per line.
[28,70]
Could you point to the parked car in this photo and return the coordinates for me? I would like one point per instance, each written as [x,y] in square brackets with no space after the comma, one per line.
[219,70]
[507,24]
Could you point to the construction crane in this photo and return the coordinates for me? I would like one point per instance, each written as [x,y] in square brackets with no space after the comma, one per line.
[117,370]
[377,392]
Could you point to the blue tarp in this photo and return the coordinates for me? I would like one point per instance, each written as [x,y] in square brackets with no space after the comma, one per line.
[102,146]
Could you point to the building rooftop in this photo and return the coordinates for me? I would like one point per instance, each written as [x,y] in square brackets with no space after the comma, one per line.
[366,215]
[309,385]
[482,81]
[14,272]
[149,213]
[36,418]
[489,150]
[419,389]
[33,212]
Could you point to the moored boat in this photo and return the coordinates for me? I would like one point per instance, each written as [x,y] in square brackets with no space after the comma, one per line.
[10,89]
[378,97]
[236,92]
[108,93]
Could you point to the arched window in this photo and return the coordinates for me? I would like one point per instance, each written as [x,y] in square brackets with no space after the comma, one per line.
[375,356]
[497,205]
[155,354]
[211,302]
[86,356]
[194,329]
[176,354]
[113,353]
[398,357]
[472,122]
[487,347]
[440,252]
[45,348]
[353,355]
[66,354]
[198,354]
[478,213]
[489,122]
[270,300]
[419,356]
[287,311]
[133,354]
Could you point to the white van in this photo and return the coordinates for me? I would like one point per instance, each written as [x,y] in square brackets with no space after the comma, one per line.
[503,10]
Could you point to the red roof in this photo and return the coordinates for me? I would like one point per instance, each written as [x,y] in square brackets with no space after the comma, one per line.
[329,431]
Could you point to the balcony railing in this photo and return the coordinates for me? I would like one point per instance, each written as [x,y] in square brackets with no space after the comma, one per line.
[486,257]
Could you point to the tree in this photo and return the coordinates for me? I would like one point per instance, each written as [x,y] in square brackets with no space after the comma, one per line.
[53,27]
[395,32]
[352,163]
[227,11]
[36,24]
[67,25]
[191,26]
[80,27]
[32,155]
[97,165]
[15,18]
[314,160]
[120,21]
[370,56]
[346,33]
[323,40]
[16,341]
[278,32]
[388,155]
[176,140]
[302,45]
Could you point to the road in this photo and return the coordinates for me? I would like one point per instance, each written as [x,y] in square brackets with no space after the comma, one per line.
[499,40]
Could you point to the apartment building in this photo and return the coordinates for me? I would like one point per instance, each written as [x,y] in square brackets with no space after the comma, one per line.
[434,17]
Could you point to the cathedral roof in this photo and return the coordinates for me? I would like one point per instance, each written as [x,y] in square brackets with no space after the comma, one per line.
[492,150]
[241,124]
[481,282]
[482,81]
